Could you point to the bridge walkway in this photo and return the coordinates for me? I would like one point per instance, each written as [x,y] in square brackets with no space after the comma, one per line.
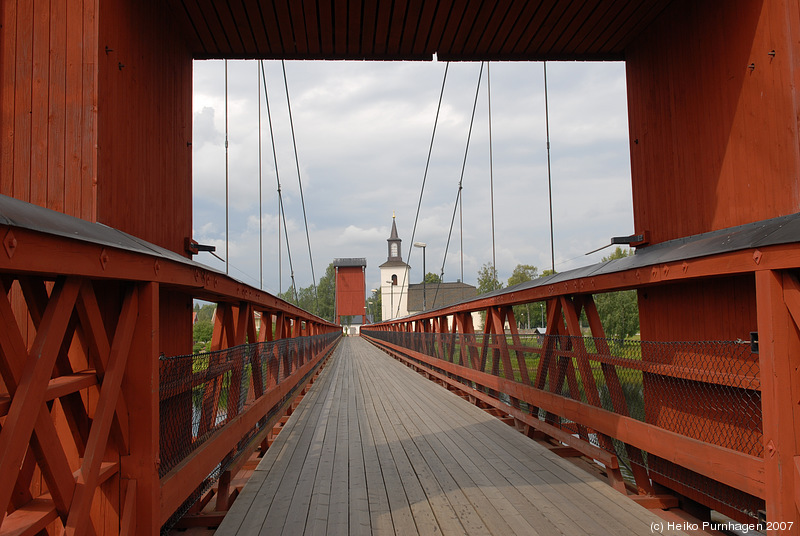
[374,448]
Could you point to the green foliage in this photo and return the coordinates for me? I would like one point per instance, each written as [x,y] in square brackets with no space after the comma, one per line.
[548,272]
[522,273]
[618,253]
[375,306]
[432,279]
[619,311]
[322,303]
[201,335]
[527,314]
[326,292]
[487,279]
[206,312]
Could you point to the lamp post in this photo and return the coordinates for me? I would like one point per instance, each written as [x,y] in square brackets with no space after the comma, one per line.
[424,297]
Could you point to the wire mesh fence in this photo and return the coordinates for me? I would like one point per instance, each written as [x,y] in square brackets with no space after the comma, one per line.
[709,391]
[201,393]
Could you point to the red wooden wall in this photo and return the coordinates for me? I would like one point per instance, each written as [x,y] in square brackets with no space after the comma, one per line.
[350,290]
[144,124]
[713,122]
[48,67]
[714,142]
[97,114]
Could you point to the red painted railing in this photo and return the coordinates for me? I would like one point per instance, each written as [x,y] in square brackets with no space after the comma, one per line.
[99,429]
[693,417]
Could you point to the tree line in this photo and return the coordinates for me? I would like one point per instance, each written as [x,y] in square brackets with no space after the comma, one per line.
[618,311]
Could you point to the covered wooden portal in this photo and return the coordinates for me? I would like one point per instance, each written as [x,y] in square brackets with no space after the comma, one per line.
[351,288]
[96,122]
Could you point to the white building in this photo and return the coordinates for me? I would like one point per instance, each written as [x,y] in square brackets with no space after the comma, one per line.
[394,279]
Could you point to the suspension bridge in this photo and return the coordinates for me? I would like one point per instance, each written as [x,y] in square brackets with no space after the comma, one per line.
[424,423]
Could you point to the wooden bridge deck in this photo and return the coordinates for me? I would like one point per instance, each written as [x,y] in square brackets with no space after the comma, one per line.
[376,448]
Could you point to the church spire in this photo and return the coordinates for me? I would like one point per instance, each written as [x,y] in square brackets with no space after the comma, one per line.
[394,243]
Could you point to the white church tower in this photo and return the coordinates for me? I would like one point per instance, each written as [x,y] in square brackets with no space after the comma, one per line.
[394,279]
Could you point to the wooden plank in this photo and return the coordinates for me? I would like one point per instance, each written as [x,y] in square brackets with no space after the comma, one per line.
[58,387]
[23,99]
[494,437]
[777,333]
[454,512]
[424,488]
[57,101]
[424,461]
[39,104]
[274,454]
[252,507]
[73,134]
[734,468]
[309,507]
[78,521]
[378,501]
[529,508]
[8,49]
[401,515]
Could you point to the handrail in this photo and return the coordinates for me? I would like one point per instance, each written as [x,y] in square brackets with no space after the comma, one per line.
[87,310]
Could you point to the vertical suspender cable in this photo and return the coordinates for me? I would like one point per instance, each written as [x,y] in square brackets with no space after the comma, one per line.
[300,183]
[491,167]
[227,222]
[425,178]
[260,211]
[460,187]
[282,213]
[549,181]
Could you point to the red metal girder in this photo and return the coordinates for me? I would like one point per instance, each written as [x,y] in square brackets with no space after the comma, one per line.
[728,466]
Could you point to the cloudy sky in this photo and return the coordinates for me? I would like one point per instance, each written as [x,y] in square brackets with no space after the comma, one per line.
[363,132]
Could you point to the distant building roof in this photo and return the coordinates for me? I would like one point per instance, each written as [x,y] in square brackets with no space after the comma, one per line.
[353,261]
[387,264]
[448,294]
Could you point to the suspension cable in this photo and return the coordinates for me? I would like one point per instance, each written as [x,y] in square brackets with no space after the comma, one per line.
[491,167]
[300,182]
[260,211]
[549,182]
[280,195]
[460,187]
[227,167]
[424,178]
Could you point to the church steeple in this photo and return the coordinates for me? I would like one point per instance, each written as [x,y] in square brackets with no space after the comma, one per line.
[394,244]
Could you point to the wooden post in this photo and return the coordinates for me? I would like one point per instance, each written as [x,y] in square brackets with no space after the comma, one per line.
[140,390]
[778,342]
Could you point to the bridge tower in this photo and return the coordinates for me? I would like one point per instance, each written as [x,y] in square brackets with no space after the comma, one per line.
[351,288]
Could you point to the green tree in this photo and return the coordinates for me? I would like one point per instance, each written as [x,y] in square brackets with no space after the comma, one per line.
[522,273]
[487,279]
[432,279]
[205,312]
[326,293]
[202,332]
[321,303]
[375,306]
[524,314]
[618,311]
